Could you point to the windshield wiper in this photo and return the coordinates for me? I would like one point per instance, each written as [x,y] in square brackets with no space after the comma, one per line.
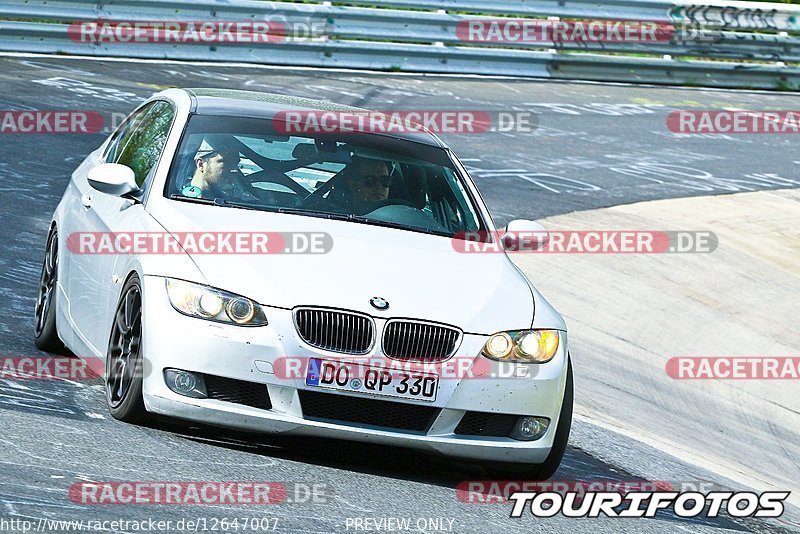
[289,211]
[197,200]
[396,225]
[365,220]
[360,219]
[322,215]
[218,202]
[244,206]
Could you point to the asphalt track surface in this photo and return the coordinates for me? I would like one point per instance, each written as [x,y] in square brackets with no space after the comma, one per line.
[595,146]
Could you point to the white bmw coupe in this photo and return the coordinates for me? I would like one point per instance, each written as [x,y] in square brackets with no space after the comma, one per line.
[387,333]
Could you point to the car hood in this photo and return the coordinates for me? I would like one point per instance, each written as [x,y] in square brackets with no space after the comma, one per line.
[420,275]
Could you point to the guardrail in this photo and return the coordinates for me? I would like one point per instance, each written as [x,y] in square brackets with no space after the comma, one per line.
[724,44]
[734,14]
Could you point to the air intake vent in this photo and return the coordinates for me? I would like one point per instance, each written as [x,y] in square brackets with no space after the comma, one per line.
[417,341]
[360,411]
[238,391]
[486,424]
[337,331]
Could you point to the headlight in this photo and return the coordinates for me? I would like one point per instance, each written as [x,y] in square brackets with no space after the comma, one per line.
[522,346]
[499,346]
[205,302]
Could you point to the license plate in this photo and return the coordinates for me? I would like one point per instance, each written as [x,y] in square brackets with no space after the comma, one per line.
[360,378]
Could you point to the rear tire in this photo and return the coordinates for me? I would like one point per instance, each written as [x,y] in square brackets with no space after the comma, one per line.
[548,468]
[124,376]
[45,332]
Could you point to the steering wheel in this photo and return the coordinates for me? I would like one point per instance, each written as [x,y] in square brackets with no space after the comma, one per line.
[392,202]
[275,177]
[404,212]
[314,201]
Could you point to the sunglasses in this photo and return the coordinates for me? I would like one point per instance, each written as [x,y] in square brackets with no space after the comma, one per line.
[374,180]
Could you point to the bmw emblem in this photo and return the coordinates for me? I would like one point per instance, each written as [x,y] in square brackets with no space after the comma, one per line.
[379,303]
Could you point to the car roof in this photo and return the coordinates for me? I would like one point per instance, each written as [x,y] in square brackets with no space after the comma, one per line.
[207,101]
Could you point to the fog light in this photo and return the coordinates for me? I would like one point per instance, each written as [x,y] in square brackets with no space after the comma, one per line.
[530,428]
[185,383]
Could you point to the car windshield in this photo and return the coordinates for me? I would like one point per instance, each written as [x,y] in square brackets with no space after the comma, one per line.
[365,178]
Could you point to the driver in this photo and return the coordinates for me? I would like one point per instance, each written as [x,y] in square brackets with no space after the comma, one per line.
[367,182]
[216,173]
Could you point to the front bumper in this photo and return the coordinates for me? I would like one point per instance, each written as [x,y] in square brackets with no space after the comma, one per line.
[172,340]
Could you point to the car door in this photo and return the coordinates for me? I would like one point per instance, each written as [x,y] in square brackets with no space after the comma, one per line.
[82,308]
[139,147]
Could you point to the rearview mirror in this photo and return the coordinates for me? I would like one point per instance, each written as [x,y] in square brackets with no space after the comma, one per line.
[522,235]
[113,179]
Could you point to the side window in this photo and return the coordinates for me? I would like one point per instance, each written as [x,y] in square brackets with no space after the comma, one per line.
[140,147]
[466,217]
[124,132]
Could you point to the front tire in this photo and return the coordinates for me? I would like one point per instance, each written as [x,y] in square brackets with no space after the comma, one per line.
[45,332]
[124,366]
[548,468]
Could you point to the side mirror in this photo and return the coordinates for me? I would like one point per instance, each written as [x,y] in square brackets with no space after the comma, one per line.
[521,235]
[113,179]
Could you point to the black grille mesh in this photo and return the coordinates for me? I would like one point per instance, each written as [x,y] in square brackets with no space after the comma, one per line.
[378,413]
[238,391]
[412,341]
[486,424]
[337,331]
